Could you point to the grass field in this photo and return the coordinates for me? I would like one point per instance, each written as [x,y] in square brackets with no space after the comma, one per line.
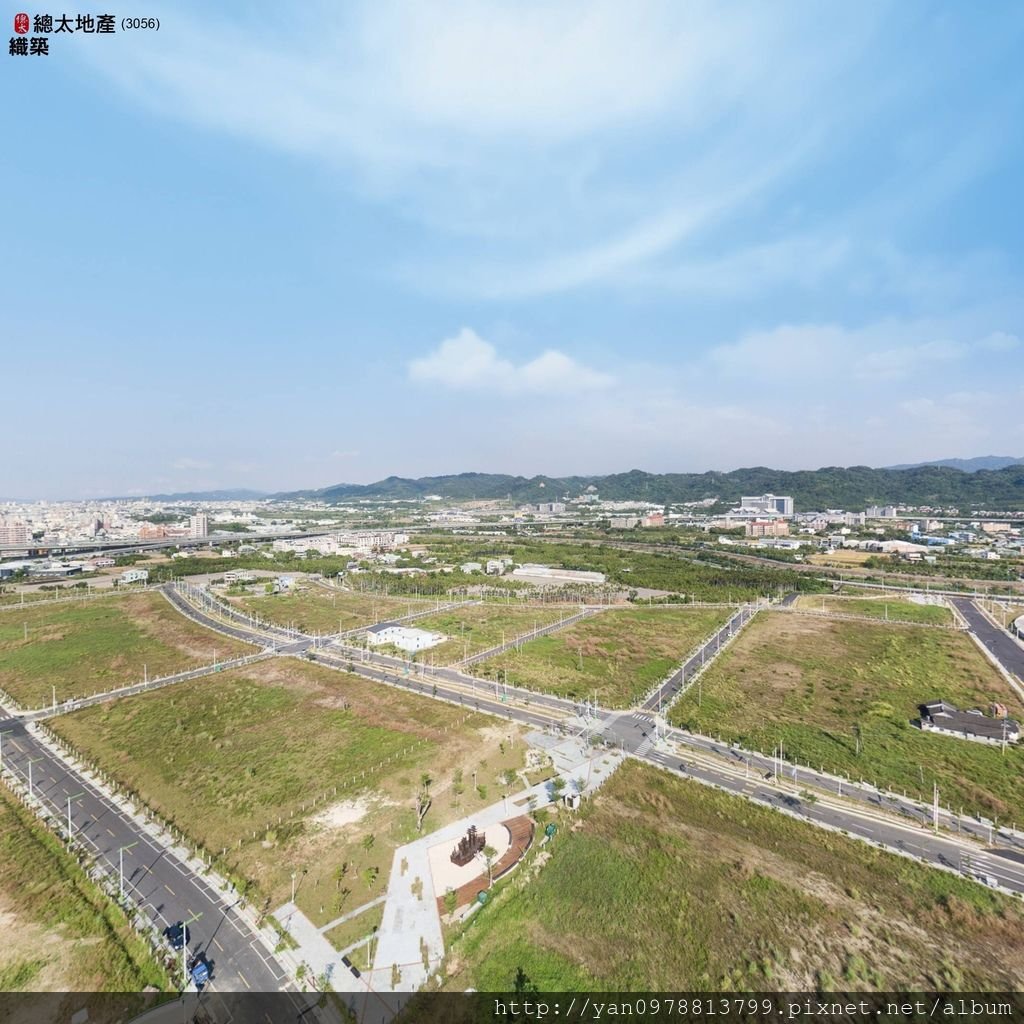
[317,610]
[813,683]
[241,753]
[475,628]
[619,654]
[61,934]
[841,558]
[344,935]
[98,644]
[666,885]
[893,609]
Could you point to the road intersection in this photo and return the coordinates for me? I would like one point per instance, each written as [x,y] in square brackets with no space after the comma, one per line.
[168,885]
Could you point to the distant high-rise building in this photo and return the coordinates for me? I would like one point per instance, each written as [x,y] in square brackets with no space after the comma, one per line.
[198,525]
[13,533]
[781,505]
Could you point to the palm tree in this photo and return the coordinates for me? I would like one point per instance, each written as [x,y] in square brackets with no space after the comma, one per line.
[489,853]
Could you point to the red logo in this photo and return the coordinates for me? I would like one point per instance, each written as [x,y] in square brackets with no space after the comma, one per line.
[21,24]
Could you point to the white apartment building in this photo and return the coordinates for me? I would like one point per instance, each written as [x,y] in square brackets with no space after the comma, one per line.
[198,525]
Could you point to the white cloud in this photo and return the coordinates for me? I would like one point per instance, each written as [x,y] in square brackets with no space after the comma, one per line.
[999,341]
[468,362]
[888,350]
[185,463]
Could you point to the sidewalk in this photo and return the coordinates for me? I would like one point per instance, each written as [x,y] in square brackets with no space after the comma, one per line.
[410,937]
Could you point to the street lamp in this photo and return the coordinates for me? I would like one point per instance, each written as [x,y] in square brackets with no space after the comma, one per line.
[120,866]
[76,796]
[191,919]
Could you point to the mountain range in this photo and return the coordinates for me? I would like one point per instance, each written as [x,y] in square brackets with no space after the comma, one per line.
[853,487]
[968,465]
[989,482]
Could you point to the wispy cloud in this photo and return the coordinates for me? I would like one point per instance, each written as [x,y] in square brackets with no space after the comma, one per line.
[186,464]
[888,350]
[467,362]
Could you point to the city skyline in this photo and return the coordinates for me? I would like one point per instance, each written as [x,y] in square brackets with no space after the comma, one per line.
[368,244]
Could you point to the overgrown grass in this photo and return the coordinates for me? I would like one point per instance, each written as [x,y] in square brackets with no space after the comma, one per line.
[65,934]
[240,756]
[317,610]
[81,648]
[826,688]
[667,885]
[619,654]
[476,628]
[890,608]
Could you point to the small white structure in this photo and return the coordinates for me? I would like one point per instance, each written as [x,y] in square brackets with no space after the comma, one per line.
[546,572]
[405,638]
[135,576]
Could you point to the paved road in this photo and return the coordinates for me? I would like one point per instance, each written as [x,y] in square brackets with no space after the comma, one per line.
[166,889]
[868,813]
[941,850]
[999,642]
[635,732]
[663,696]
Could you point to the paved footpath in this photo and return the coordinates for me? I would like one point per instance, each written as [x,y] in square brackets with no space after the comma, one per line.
[410,933]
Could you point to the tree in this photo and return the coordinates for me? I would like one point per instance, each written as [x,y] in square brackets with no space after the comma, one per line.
[423,800]
[557,785]
[450,900]
[368,842]
[489,853]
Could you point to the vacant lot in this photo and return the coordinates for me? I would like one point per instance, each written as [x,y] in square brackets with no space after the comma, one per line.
[318,610]
[240,756]
[840,558]
[618,654]
[890,608]
[61,934]
[826,687]
[475,628]
[99,644]
[665,885]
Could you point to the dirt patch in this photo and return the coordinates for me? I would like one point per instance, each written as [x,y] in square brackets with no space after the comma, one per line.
[345,812]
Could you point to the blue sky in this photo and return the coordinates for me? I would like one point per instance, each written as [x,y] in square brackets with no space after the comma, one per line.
[285,251]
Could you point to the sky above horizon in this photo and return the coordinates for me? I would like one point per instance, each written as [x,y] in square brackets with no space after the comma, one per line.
[286,251]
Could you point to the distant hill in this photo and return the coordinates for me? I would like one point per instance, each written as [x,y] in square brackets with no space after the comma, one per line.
[240,494]
[853,487]
[968,465]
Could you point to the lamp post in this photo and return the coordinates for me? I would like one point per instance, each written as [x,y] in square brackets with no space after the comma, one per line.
[120,866]
[190,919]
[76,796]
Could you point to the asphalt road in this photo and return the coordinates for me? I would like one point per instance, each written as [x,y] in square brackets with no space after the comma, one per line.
[1006,867]
[165,888]
[888,819]
[999,642]
[635,732]
[666,693]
